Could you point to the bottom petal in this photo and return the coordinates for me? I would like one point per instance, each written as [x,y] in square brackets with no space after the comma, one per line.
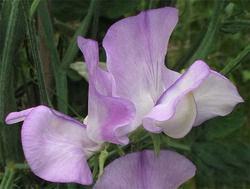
[182,121]
[179,120]
[144,170]
[57,147]
[175,110]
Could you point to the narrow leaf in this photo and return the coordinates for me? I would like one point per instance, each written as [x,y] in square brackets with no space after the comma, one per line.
[213,26]
[235,62]
[33,7]
[82,30]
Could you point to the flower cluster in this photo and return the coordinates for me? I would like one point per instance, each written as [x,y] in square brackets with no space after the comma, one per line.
[135,89]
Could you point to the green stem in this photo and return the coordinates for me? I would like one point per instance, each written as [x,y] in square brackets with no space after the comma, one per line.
[12,32]
[177,145]
[21,166]
[82,30]
[213,26]
[35,52]
[245,23]
[5,178]
[60,76]
[33,7]
[156,142]
[183,61]
[235,62]
[10,180]
[119,150]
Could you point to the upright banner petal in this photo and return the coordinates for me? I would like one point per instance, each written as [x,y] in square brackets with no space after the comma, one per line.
[136,49]
[55,146]
[145,170]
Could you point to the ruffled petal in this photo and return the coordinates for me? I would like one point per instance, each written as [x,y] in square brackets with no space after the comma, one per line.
[106,114]
[136,49]
[57,148]
[175,111]
[216,96]
[144,170]
[15,117]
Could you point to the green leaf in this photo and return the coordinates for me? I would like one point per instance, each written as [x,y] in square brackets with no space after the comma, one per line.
[33,7]
[223,126]
[235,62]
[102,158]
[234,26]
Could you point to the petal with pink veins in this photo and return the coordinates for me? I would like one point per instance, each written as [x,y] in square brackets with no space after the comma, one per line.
[136,49]
[56,146]
[145,170]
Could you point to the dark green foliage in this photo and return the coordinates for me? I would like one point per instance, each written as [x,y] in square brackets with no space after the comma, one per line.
[223,126]
[221,163]
[114,9]
[12,32]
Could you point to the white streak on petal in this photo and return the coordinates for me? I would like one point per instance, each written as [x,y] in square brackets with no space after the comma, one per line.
[216,96]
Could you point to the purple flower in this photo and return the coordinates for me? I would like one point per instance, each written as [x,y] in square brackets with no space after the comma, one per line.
[106,113]
[55,146]
[135,89]
[144,170]
[164,100]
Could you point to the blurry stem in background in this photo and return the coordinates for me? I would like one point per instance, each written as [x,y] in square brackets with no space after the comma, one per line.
[60,69]
[46,61]
[60,77]
[213,26]
[235,62]
[72,50]
[96,15]
[33,7]
[35,52]
[12,32]
[181,63]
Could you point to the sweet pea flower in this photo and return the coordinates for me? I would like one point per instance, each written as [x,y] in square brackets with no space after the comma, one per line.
[55,145]
[144,170]
[164,100]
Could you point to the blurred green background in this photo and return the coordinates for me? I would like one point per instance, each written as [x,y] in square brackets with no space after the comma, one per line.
[38,44]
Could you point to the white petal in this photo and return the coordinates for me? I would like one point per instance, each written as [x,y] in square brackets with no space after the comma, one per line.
[216,96]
